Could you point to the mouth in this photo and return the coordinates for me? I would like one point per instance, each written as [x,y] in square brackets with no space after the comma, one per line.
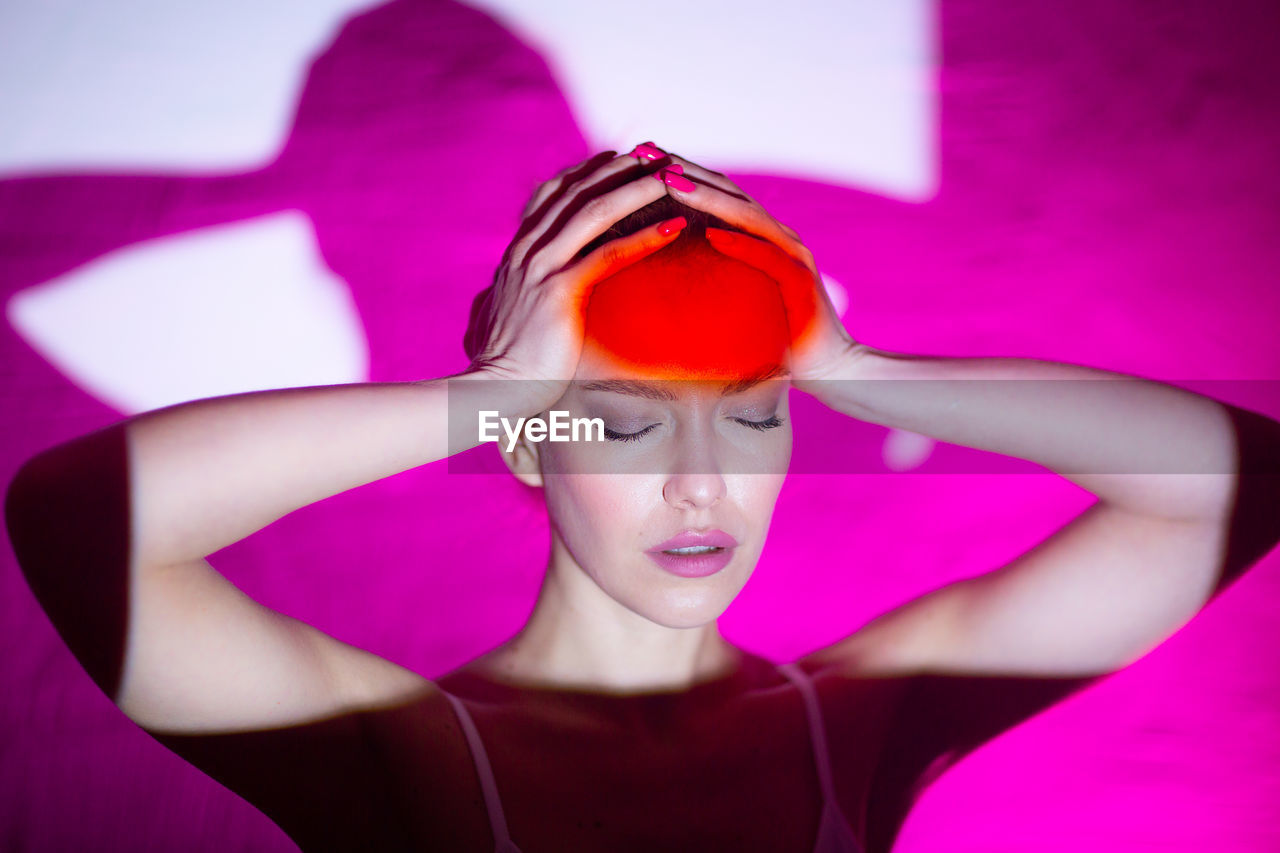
[696,542]
[695,550]
[692,562]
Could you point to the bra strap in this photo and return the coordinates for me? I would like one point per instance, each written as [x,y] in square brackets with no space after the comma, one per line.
[497,820]
[817,734]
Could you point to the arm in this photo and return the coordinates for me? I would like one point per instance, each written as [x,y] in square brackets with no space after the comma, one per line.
[972,659]
[1188,488]
[111,529]
[1171,527]
[977,657]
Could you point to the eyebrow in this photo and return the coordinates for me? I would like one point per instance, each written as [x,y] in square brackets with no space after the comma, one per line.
[656,392]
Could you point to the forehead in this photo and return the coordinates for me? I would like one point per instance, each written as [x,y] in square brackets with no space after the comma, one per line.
[686,312]
[598,372]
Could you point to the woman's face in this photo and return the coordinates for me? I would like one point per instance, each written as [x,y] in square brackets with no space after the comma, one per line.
[682,452]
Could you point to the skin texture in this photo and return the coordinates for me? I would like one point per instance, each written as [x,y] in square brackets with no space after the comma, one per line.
[694,465]
[685,315]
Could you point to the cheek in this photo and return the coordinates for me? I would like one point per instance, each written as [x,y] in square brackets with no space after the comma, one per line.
[757,494]
[596,510]
[763,459]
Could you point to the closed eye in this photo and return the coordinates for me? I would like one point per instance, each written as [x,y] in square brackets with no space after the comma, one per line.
[626,436]
[772,422]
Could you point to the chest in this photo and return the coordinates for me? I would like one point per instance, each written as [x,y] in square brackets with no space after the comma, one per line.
[742,778]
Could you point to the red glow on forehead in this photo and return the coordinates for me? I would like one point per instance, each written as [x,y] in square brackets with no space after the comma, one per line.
[688,311]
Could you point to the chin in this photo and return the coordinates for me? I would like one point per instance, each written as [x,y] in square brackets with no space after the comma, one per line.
[669,619]
[687,609]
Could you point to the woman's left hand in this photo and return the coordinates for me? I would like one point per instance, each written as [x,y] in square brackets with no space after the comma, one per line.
[820,344]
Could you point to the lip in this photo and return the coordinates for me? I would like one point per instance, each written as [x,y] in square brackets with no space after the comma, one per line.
[698,566]
[690,538]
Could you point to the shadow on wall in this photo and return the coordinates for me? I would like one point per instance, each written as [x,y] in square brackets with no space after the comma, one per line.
[1118,158]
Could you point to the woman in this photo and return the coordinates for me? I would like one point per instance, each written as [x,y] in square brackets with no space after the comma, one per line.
[619,718]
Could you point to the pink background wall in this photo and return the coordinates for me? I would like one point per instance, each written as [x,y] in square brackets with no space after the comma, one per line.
[1108,197]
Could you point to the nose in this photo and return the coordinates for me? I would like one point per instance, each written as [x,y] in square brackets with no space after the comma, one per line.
[696,481]
[693,491]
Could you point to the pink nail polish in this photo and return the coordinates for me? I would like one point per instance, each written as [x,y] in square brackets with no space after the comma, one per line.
[647,151]
[661,174]
[671,226]
[680,182]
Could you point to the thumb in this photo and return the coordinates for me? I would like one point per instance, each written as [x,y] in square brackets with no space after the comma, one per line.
[616,255]
[797,282]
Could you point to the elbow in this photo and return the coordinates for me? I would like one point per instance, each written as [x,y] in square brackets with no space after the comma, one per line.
[67,515]
[1253,520]
[28,500]
[70,503]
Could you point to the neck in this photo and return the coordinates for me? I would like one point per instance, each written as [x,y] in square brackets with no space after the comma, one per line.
[578,637]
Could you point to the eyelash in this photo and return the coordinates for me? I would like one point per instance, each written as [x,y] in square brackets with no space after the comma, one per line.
[771,422]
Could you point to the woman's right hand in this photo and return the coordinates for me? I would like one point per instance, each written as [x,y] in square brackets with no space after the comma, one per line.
[528,325]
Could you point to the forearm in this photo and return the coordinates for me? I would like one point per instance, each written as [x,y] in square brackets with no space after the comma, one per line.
[204,474]
[1141,445]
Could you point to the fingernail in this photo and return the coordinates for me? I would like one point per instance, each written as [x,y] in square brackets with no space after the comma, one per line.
[661,174]
[647,151]
[680,182]
[671,226]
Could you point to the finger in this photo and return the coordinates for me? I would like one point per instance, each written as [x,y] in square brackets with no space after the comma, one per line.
[749,217]
[479,323]
[614,256]
[591,220]
[700,174]
[797,282]
[564,178]
[550,191]
[703,175]
[789,231]
[545,224]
